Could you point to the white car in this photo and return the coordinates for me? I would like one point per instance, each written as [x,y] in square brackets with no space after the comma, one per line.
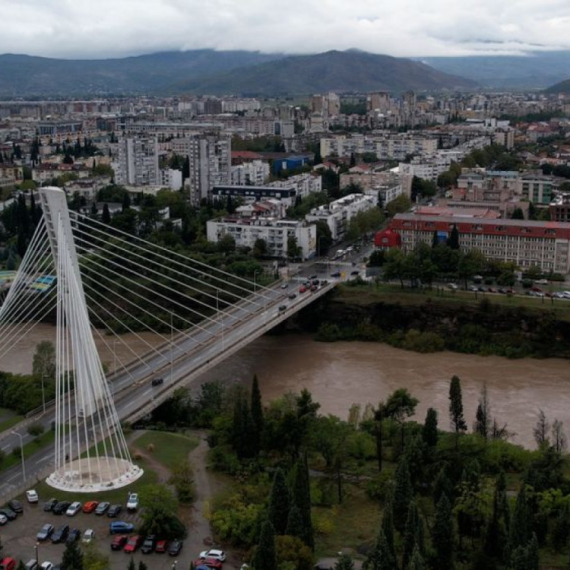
[73,509]
[32,496]
[46,565]
[3,519]
[133,502]
[88,535]
[215,554]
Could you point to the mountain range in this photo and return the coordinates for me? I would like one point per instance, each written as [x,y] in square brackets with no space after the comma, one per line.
[219,72]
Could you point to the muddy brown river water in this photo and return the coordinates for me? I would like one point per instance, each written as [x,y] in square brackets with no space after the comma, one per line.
[340,374]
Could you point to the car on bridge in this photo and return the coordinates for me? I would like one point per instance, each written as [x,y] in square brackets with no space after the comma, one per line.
[282,307]
[157,381]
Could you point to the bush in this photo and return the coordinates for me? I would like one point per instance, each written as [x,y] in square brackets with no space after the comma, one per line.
[17,451]
[380,487]
[36,430]
[423,341]
[223,458]
[328,332]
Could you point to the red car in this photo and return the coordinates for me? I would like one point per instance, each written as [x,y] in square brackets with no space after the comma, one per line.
[133,544]
[161,546]
[209,562]
[90,506]
[302,289]
[119,541]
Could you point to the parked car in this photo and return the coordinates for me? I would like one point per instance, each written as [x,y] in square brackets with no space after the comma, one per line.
[148,544]
[175,547]
[8,564]
[60,534]
[88,536]
[161,546]
[208,563]
[133,543]
[32,496]
[73,536]
[157,381]
[102,508]
[16,506]
[3,519]
[49,505]
[119,542]
[61,507]
[120,527]
[31,564]
[114,510]
[73,509]
[90,506]
[133,502]
[214,553]
[8,513]
[47,565]
[45,532]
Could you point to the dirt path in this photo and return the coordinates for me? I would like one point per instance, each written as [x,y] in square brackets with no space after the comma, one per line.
[162,472]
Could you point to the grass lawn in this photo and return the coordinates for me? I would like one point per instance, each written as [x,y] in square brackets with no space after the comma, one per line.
[8,419]
[366,294]
[349,525]
[169,448]
[30,448]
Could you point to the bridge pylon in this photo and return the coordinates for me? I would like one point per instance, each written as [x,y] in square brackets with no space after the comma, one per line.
[91,453]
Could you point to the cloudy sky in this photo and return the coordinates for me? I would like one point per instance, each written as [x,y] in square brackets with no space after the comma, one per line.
[108,28]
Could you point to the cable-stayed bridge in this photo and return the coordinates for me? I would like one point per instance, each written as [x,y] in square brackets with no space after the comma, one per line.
[95,281]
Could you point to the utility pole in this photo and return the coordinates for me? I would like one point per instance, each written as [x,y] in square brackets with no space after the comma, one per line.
[22,453]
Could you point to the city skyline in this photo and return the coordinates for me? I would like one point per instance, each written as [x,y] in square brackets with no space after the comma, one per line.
[408,29]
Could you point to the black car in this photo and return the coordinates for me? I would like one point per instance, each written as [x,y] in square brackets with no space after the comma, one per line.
[292,296]
[157,381]
[49,505]
[61,507]
[148,544]
[45,532]
[313,277]
[114,510]
[60,534]
[74,536]
[8,513]
[335,274]
[16,506]
[175,547]
[102,508]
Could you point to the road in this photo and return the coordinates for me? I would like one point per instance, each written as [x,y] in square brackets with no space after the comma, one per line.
[192,354]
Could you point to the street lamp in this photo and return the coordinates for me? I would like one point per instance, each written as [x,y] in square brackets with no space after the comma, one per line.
[254,281]
[43,393]
[22,452]
[36,548]
[174,564]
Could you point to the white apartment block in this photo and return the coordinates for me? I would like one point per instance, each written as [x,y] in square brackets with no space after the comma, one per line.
[170,178]
[210,164]
[304,184]
[137,161]
[275,232]
[338,214]
[252,173]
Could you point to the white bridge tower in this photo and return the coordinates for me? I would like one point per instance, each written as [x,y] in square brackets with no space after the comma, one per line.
[91,453]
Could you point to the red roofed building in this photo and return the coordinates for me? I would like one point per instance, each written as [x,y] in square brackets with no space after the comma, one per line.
[241,156]
[387,239]
[526,243]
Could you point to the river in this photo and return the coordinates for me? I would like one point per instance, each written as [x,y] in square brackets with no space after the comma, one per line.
[343,373]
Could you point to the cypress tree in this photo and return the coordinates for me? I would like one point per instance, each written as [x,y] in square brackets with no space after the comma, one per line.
[106,216]
[344,562]
[453,239]
[302,498]
[279,503]
[380,557]
[413,535]
[256,410]
[72,557]
[388,528]
[142,566]
[434,239]
[456,408]
[402,494]
[265,557]
[294,522]
[442,534]
[498,529]
[532,552]
[429,430]
[417,561]
[520,528]
[561,529]
[378,432]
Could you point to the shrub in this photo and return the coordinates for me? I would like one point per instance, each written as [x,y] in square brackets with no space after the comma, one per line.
[328,332]
[36,430]
[150,448]
[423,341]
[379,488]
[17,451]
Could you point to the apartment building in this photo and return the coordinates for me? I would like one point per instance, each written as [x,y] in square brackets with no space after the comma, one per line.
[559,208]
[338,214]
[248,194]
[246,230]
[137,163]
[304,184]
[525,243]
[252,173]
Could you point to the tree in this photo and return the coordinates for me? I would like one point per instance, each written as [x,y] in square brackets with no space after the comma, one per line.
[456,408]
[417,561]
[498,528]
[259,248]
[413,535]
[159,512]
[403,494]
[302,499]
[471,263]
[558,437]
[541,430]
[142,566]
[256,410]
[380,557]
[442,534]
[388,527]
[93,559]
[293,553]
[399,406]
[106,216]
[324,238]
[453,239]
[265,557]
[294,251]
[294,522]
[132,565]
[378,433]
[344,562]
[183,481]
[44,360]
[278,513]
[72,557]
[517,214]
[483,415]
[429,430]
[520,527]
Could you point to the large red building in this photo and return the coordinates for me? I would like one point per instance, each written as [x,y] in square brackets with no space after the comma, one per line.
[526,243]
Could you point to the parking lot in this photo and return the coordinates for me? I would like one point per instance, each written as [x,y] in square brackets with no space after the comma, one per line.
[19,538]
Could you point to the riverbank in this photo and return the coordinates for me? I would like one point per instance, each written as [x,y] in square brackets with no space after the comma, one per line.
[435,320]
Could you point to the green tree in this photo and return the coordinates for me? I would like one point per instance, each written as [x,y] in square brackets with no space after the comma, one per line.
[517,214]
[183,481]
[142,566]
[471,263]
[294,251]
[259,248]
[388,527]
[257,410]
[520,527]
[106,216]
[399,406]
[344,562]
[44,360]
[429,431]
[417,561]
[442,534]
[413,535]
[453,239]
[72,557]
[403,494]
[294,522]
[324,238]
[456,408]
[302,499]
[498,527]
[265,557]
[278,513]
[132,565]
[93,559]
[293,553]
[380,557]
[483,415]
[158,512]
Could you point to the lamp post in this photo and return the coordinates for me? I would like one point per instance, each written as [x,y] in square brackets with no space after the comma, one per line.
[174,564]
[22,452]
[36,548]
[254,280]
[43,394]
